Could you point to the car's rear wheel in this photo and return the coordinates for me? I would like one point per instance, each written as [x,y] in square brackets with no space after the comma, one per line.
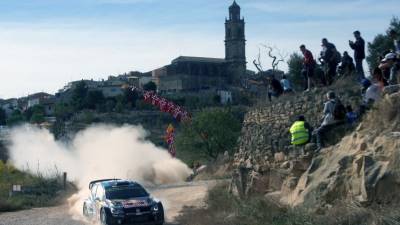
[85,211]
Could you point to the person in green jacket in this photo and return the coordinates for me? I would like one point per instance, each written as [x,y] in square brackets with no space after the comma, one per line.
[300,133]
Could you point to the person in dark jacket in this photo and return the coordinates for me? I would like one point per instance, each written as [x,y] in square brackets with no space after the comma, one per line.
[329,58]
[359,53]
[275,88]
[347,66]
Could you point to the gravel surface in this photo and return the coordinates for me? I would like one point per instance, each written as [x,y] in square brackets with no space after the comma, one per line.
[174,198]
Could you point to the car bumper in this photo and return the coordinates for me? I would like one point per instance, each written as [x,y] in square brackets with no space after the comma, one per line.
[148,218]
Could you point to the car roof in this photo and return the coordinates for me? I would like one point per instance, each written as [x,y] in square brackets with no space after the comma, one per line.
[108,183]
[112,183]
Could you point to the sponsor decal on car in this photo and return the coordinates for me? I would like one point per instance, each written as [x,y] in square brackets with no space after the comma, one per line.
[134,203]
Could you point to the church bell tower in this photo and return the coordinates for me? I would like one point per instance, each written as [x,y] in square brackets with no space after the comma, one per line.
[235,44]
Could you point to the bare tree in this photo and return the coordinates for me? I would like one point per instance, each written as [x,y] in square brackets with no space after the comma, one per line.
[274,53]
[257,63]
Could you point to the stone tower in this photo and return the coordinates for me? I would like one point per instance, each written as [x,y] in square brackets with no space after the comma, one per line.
[235,44]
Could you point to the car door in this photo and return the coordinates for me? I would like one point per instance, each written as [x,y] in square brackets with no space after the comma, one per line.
[91,204]
[98,199]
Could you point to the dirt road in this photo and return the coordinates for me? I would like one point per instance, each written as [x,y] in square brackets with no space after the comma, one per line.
[174,197]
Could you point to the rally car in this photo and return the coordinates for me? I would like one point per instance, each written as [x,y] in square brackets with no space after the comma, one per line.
[116,201]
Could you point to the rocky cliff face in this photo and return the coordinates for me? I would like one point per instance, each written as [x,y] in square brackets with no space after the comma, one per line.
[361,167]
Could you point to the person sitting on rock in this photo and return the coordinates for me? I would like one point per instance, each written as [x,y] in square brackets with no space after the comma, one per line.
[300,132]
[287,86]
[351,116]
[275,88]
[334,113]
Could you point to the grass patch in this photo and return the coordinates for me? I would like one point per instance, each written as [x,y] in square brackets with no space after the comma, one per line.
[226,209]
[38,191]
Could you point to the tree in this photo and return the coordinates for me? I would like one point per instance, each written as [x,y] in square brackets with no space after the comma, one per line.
[38,114]
[63,111]
[119,106]
[211,133]
[295,65]
[381,44]
[274,53]
[16,117]
[129,98]
[79,94]
[94,99]
[3,117]
[151,86]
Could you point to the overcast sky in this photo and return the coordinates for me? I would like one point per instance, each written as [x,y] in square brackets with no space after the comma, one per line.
[44,44]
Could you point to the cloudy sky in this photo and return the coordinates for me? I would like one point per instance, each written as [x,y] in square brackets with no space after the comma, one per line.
[46,43]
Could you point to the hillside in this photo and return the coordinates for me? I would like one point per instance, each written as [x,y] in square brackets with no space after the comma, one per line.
[360,166]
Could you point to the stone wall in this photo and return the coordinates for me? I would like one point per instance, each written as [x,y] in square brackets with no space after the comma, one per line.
[262,164]
[266,127]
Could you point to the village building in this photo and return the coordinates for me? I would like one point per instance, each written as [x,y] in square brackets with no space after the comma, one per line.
[187,73]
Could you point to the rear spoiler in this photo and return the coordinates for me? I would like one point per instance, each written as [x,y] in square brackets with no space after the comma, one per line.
[97,181]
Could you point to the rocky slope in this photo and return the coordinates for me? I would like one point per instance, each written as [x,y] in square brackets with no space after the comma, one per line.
[363,167]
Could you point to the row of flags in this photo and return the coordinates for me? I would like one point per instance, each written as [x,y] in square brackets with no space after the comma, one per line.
[164,105]
[179,113]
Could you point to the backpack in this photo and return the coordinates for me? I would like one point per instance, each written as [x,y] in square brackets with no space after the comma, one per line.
[339,111]
[338,57]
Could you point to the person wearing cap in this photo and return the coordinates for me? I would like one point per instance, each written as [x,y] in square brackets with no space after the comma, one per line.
[390,63]
[359,53]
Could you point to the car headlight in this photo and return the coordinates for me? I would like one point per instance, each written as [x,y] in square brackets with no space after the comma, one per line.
[117,211]
[155,208]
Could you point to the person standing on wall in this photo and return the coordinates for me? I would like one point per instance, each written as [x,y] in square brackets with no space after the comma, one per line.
[308,67]
[359,54]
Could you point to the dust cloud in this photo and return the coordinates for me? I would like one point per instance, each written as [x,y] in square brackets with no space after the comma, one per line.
[98,152]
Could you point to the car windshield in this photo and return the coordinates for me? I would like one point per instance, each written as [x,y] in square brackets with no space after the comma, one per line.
[125,192]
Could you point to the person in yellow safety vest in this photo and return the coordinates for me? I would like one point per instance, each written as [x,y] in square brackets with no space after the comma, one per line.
[300,131]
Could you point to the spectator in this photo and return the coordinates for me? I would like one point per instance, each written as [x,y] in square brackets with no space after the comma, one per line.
[396,41]
[388,64]
[300,133]
[373,94]
[351,116]
[365,84]
[347,66]
[308,67]
[275,88]
[287,86]
[334,113]
[359,53]
[330,60]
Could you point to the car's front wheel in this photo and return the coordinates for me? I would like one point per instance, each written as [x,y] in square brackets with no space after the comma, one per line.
[105,218]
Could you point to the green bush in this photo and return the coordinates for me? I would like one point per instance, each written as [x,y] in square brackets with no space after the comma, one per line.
[38,190]
[211,133]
